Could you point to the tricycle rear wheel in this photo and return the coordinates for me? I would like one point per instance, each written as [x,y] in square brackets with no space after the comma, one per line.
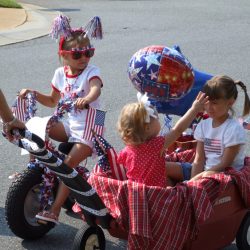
[89,238]
[242,241]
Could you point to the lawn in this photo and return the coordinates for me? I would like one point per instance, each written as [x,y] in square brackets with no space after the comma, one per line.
[9,4]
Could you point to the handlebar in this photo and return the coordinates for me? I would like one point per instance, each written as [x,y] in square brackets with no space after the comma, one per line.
[33,143]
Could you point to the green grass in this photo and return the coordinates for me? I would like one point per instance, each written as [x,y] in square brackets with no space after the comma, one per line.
[10,4]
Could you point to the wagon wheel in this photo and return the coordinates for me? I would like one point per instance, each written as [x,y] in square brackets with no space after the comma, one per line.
[89,238]
[242,237]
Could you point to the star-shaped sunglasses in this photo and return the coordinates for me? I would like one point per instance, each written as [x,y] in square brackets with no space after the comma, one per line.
[77,53]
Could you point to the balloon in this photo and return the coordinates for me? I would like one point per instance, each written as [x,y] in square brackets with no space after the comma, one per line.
[164,73]
[180,107]
[168,78]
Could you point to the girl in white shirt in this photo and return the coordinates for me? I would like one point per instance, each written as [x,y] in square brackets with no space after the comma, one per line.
[80,82]
[220,138]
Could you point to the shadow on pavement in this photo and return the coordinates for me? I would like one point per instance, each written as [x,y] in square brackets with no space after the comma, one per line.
[5,231]
[60,237]
[62,10]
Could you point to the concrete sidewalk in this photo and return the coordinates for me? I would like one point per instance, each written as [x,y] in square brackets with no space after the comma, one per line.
[17,25]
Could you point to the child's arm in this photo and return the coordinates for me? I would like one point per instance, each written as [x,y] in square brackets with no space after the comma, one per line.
[94,93]
[226,161]
[50,100]
[5,112]
[8,119]
[186,120]
[199,160]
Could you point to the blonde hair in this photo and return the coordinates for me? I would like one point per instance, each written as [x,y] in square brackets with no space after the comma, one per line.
[131,123]
[223,86]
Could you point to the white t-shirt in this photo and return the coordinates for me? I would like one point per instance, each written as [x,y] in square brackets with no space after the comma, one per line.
[215,140]
[75,86]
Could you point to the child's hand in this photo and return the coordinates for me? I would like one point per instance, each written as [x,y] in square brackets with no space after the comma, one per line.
[15,123]
[200,101]
[203,174]
[81,103]
[24,92]
[197,177]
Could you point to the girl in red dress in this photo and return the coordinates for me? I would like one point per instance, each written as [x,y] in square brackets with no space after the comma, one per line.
[143,155]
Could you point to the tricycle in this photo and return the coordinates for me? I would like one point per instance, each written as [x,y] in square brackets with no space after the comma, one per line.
[34,189]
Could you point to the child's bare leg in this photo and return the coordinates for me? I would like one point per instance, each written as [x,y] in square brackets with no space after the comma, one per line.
[58,133]
[174,172]
[78,153]
[61,196]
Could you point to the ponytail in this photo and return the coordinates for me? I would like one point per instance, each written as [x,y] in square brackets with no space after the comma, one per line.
[246,109]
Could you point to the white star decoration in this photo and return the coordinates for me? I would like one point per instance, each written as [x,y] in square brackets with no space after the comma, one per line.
[152,59]
[134,72]
[138,57]
[153,75]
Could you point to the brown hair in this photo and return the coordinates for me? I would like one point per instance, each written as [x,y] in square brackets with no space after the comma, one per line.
[77,36]
[131,123]
[224,87]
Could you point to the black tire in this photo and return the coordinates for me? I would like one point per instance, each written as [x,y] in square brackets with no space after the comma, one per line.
[23,203]
[242,242]
[89,238]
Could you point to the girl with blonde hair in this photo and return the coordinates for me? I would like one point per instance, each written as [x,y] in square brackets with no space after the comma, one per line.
[139,127]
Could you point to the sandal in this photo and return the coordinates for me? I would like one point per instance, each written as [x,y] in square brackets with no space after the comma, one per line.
[14,176]
[47,216]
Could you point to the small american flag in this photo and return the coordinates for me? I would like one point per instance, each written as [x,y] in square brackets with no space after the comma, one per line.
[19,109]
[94,122]
[24,108]
[107,162]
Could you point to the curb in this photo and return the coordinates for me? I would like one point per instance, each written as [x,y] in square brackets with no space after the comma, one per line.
[38,24]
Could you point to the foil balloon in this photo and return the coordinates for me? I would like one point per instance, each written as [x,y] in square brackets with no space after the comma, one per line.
[164,73]
[167,77]
[180,107]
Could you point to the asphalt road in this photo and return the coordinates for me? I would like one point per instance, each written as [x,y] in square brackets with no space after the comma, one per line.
[213,35]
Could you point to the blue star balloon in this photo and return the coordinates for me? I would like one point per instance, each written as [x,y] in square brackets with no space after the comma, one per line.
[167,77]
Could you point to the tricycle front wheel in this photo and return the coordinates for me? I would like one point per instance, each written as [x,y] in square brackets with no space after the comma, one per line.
[23,203]
[243,234]
[89,238]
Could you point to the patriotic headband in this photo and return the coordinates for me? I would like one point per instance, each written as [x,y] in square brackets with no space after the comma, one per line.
[61,29]
[149,108]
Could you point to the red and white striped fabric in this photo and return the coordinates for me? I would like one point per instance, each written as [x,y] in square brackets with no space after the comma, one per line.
[19,109]
[94,122]
[183,156]
[163,218]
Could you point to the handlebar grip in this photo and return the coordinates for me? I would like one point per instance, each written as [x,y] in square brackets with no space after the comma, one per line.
[30,137]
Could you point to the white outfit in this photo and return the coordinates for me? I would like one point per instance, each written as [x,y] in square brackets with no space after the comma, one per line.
[72,87]
[215,140]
